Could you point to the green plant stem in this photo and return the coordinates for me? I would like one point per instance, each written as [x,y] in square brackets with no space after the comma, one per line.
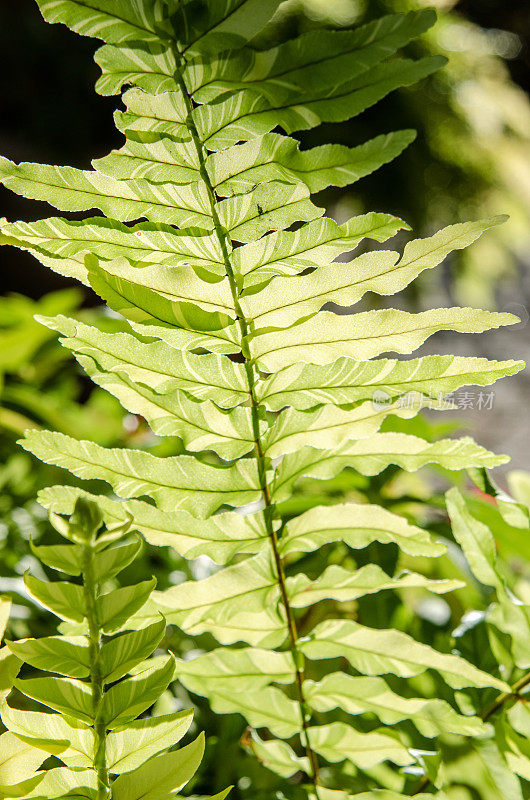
[503,698]
[492,709]
[16,422]
[90,588]
[226,246]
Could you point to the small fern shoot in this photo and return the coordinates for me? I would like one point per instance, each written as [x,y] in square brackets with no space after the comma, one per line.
[105,749]
[224,280]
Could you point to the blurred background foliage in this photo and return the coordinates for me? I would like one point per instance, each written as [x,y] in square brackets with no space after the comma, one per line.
[471,159]
[472,154]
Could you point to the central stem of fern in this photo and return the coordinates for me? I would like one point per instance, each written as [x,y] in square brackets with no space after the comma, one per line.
[91,588]
[226,245]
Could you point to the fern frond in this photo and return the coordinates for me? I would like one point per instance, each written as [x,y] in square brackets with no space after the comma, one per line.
[357,695]
[376,652]
[358,525]
[62,244]
[370,456]
[366,335]
[234,258]
[286,300]
[346,381]
[314,244]
[70,189]
[220,537]
[105,750]
[343,585]
[174,482]
[154,364]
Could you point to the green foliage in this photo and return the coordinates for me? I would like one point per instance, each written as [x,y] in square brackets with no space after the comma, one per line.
[494,764]
[40,387]
[104,749]
[9,664]
[235,260]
